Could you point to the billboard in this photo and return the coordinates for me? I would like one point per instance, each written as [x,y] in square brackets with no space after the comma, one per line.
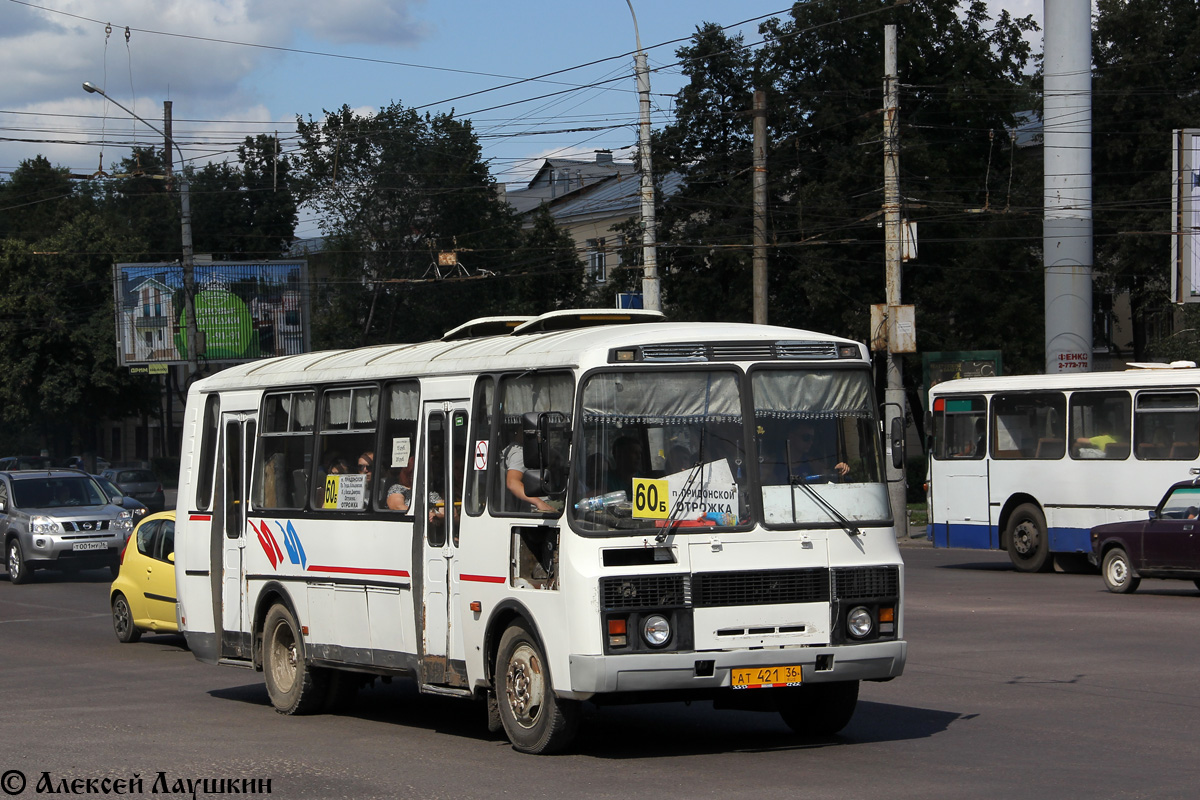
[1185,216]
[244,311]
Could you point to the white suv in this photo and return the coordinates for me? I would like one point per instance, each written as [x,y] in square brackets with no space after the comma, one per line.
[59,519]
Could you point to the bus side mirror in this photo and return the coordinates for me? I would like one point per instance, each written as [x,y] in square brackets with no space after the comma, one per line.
[898,442]
[546,442]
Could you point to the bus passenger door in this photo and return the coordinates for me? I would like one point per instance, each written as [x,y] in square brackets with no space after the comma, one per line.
[961,501]
[439,506]
[239,429]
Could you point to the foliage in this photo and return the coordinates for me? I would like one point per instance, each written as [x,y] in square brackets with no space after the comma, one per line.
[962,80]
[395,189]
[1147,71]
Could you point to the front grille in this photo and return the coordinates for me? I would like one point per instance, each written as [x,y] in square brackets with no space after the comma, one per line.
[86,525]
[861,583]
[712,589]
[643,591]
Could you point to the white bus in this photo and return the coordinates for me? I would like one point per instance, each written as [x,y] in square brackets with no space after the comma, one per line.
[1029,464]
[350,514]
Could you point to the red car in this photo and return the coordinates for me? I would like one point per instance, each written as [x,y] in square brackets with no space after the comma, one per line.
[1167,545]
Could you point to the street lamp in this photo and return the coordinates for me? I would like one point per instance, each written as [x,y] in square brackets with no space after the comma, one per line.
[185,213]
[650,285]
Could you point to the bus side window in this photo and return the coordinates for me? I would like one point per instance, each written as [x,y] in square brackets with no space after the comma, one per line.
[529,392]
[349,465]
[397,454]
[1029,425]
[1166,425]
[285,451]
[960,427]
[208,452]
[481,456]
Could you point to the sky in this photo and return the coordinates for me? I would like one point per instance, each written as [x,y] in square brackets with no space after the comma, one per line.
[237,68]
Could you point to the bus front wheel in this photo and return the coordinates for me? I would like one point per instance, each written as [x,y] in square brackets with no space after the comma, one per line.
[294,686]
[534,719]
[1028,543]
[818,709]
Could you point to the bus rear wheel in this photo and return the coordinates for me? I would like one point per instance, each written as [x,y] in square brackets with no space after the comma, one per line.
[534,719]
[294,687]
[1028,543]
[818,709]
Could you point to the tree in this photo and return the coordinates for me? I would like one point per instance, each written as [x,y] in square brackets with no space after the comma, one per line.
[37,199]
[394,189]
[246,211]
[58,370]
[1147,71]
[963,80]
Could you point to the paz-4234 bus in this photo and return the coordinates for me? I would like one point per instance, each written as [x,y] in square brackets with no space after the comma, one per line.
[586,506]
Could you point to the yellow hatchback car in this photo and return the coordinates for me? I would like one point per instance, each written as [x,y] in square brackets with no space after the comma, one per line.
[143,595]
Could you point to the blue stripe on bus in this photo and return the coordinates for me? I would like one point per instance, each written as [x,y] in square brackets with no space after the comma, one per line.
[980,536]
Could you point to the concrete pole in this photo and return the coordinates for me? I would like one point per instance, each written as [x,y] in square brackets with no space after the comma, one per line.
[650,284]
[894,394]
[760,207]
[1067,154]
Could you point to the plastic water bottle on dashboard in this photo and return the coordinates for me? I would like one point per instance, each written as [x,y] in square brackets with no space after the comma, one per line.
[600,501]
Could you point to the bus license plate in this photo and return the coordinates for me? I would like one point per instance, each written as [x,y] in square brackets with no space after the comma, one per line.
[764,677]
[90,546]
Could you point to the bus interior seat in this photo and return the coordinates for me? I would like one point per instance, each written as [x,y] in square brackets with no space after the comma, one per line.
[1049,448]
[1151,451]
[299,487]
[1183,450]
[1117,450]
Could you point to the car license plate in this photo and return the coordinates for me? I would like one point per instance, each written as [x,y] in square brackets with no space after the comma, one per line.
[765,677]
[90,546]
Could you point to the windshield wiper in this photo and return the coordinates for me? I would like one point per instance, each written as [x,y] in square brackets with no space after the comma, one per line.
[674,517]
[798,480]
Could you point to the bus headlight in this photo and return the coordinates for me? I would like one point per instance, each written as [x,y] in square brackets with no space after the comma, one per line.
[859,622]
[656,630]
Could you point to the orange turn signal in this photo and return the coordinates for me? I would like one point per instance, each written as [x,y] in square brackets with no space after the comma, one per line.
[616,627]
[887,614]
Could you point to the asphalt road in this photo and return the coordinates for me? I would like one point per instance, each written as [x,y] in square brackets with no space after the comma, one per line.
[1017,686]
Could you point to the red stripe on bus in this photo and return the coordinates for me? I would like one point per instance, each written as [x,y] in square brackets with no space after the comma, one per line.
[482,578]
[396,573]
[200,518]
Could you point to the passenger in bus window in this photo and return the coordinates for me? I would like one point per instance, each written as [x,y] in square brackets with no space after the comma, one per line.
[366,464]
[1103,445]
[337,465]
[399,489]
[514,478]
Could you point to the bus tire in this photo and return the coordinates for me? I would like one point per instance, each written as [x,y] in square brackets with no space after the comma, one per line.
[1028,542]
[818,709]
[1117,572]
[294,686]
[534,719]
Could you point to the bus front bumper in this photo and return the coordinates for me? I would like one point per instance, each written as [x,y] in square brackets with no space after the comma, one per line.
[647,672]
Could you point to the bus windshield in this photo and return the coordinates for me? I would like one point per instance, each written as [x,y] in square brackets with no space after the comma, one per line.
[668,451]
[661,450]
[818,448]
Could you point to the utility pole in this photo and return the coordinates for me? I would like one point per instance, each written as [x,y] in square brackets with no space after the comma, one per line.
[1067,185]
[650,283]
[894,394]
[760,207]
